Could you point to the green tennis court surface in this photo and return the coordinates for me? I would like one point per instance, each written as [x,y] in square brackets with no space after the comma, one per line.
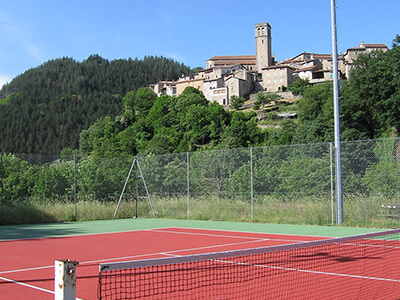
[120,225]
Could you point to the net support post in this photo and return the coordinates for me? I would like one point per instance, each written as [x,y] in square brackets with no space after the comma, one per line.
[65,279]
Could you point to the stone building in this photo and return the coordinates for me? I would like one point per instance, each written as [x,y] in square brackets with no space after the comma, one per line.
[164,88]
[263,46]
[248,61]
[274,77]
[239,75]
[351,55]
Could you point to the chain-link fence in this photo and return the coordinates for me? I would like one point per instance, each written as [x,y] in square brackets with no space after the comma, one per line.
[280,184]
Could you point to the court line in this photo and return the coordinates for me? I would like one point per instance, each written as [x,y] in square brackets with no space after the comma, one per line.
[298,270]
[312,271]
[150,229]
[254,240]
[228,236]
[172,251]
[30,286]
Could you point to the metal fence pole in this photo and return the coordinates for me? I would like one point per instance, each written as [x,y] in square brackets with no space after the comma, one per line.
[188,183]
[338,160]
[251,183]
[332,183]
[75,208]
[2,188]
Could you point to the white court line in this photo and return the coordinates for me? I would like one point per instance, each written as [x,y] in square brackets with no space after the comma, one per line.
[27,269]
[119,259]
[312,271]
[172,251]
[30,286]
[298,270]
[226,236]
[137,256]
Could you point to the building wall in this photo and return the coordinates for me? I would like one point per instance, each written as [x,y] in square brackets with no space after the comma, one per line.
[164,88]
[276,77]
[248,61]
[197,83]
[263,46]
[210,86]
[220,95]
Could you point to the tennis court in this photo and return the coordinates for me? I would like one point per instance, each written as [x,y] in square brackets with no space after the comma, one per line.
[371,271]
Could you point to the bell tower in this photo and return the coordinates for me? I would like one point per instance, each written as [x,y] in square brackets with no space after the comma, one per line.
[263,46]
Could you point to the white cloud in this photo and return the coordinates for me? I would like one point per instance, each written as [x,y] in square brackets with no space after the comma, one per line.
[34,51]
[174,56]
[3,80]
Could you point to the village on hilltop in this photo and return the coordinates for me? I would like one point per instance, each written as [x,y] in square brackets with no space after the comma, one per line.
[227,76]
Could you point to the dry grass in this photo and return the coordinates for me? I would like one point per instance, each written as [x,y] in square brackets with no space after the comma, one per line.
[364,211]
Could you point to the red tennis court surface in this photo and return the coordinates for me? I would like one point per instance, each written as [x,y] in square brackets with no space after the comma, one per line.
[27,266]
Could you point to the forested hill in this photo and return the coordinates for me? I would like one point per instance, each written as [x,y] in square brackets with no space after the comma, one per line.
[45,109]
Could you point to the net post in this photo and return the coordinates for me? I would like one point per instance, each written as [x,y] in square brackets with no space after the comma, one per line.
[65,279]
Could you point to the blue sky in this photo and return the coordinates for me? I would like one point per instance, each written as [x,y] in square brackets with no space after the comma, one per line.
[33,32]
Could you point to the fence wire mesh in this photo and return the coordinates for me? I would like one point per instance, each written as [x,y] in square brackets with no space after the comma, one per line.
[291,184]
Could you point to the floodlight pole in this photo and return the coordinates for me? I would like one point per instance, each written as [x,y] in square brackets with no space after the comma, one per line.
[338,160]
[2,188]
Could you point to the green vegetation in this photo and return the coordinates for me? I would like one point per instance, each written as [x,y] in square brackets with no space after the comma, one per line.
[102,111]
[269,209]
[299,86]
[291,184]
[45,109]
[237,102]
[103,108]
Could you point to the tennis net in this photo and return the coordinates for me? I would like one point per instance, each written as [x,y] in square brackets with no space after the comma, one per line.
[357,267]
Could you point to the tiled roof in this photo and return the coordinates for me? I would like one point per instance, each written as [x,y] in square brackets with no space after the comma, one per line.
[306,69]
[233,60]
[327,56]
[278,67]
[233,57]
[375,46]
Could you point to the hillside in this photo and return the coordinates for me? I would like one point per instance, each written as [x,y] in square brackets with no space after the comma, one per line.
[99,107]
[45,109]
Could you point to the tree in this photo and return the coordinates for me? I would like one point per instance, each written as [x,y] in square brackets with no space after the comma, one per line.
[237,102]
[266,98]
[62,97]
[396,41]
[315,113]
[299,86]
[143,101]
[128,109]
[370,98]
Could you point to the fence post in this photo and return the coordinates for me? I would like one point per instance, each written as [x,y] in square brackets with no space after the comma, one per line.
[336,108]
[188,183]
[332,184]
[75,208]
[2,188]
[251,183]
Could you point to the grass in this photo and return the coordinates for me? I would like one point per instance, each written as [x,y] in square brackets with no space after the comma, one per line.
[359,210]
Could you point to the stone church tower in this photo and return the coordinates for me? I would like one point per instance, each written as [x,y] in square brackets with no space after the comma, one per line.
[263,46]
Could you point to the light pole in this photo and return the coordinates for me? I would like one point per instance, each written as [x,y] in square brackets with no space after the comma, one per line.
[338,160]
